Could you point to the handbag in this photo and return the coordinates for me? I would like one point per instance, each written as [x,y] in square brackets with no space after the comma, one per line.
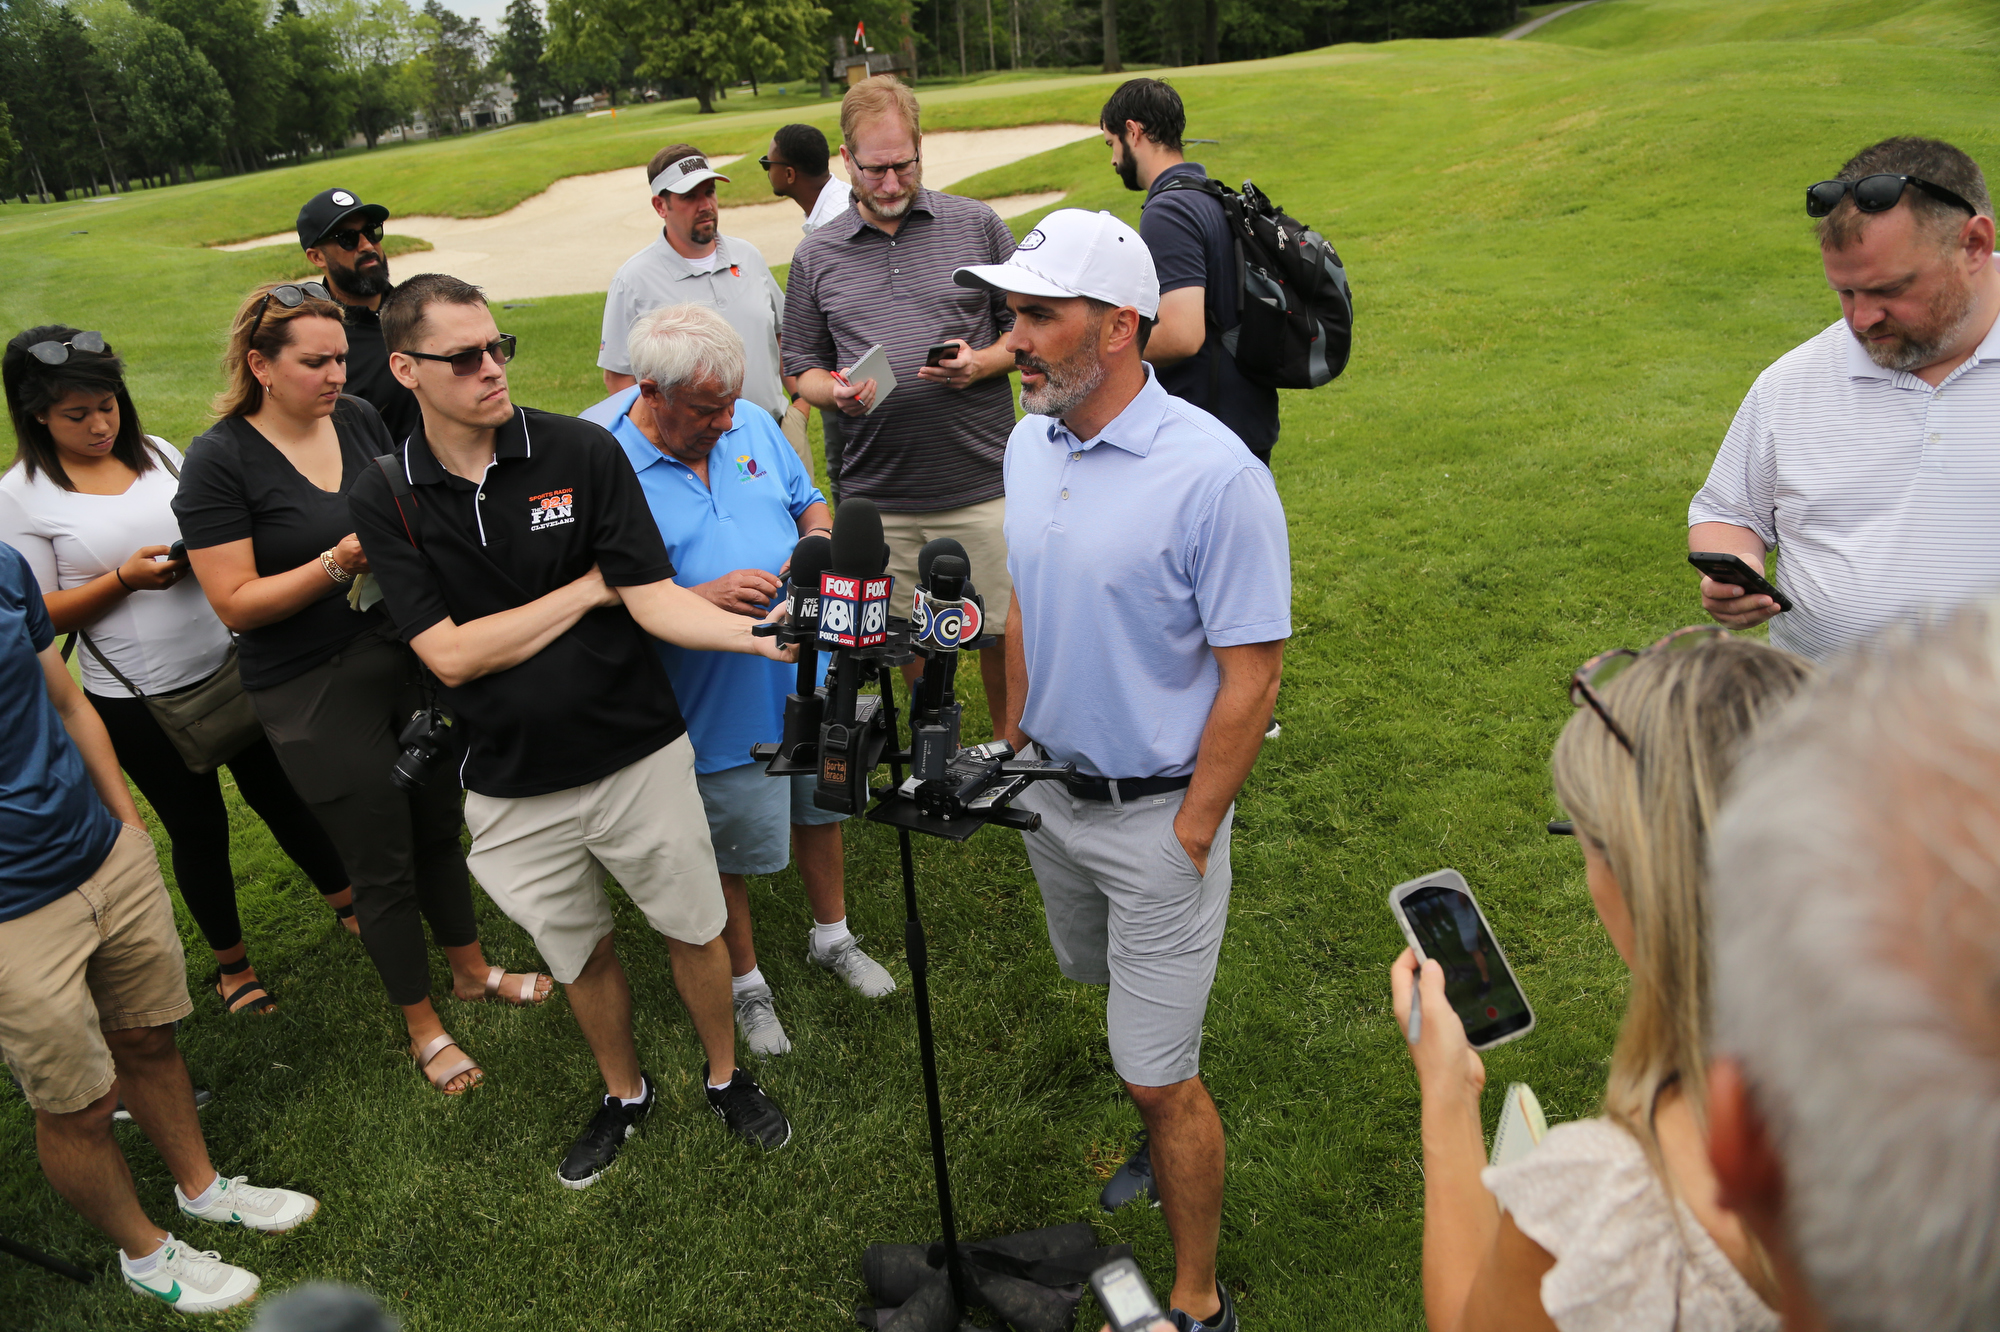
[209,722]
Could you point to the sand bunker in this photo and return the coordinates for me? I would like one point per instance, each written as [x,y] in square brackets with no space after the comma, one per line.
[572,237]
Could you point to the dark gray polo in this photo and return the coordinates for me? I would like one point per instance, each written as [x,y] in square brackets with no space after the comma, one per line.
[852,285]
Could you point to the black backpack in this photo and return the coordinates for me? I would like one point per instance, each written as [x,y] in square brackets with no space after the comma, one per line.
[1295,313]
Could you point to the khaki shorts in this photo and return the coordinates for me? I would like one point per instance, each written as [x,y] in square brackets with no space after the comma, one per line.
[542,859]
[102,958]
[977,528]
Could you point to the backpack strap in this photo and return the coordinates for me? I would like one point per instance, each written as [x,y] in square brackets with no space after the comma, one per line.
[1232,211]
[399,491]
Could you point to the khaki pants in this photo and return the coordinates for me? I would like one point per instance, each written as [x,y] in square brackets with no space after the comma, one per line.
[977,527]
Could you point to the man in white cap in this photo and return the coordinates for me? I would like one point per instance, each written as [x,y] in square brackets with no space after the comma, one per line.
[1152,587]
[693,264]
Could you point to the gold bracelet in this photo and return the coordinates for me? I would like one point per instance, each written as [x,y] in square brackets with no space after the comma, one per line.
[333,569]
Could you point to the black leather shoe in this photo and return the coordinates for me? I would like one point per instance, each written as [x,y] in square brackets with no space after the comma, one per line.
[1225,1317]
[1133,1181]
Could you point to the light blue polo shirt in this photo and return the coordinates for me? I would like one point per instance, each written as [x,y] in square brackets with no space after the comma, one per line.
[746,517]
[1133,554]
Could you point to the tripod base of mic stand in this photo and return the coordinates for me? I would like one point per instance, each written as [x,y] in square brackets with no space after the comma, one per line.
[1033,1280]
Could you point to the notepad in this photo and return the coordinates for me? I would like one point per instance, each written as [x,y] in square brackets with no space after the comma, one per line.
[874,364]
[1522,1125]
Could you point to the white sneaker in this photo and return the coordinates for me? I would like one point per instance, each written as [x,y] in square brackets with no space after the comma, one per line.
[241,1203]
[757,1019]
[192,1281]
[846,960]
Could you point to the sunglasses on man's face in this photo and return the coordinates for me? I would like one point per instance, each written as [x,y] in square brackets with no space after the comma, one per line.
[350,238]
[469,361]
[1602,669]
[768,162]
[1875,194]
[56,353]
[292,295]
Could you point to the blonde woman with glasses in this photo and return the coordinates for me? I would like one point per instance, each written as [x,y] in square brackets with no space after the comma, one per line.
[1613,1222]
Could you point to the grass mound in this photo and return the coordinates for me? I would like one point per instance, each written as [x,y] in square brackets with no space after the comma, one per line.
[1571,256]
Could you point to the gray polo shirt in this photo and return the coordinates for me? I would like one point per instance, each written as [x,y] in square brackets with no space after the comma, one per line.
[740,288]
[853,285]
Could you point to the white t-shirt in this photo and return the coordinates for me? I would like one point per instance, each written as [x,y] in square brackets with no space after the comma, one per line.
[160,640]
[1880,492]
[834,199]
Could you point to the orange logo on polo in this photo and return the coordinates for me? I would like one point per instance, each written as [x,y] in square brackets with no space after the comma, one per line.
[551,508]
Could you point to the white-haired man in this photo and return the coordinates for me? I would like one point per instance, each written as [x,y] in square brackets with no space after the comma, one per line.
[731,501]
[1869,457]
[1854,1105]
[1120,496]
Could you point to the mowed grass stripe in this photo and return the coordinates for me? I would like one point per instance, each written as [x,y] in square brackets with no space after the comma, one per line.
[1569,264]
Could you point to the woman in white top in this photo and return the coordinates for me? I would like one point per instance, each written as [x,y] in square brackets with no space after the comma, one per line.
[1612,1223]
[89,503]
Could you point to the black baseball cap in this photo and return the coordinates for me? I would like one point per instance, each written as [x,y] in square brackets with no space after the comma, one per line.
[327,208]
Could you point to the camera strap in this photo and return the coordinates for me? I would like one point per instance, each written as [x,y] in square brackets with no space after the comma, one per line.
[399,491]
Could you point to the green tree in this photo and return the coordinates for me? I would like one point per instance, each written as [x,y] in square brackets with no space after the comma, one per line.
[319,105]
[10,147]
[518,55]
[179,110]
[707,43]
[256,70]
[453,62]
[376,41]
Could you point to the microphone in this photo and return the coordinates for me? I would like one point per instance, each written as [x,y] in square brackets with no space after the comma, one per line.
[798,745]
[853,617]
[939,621]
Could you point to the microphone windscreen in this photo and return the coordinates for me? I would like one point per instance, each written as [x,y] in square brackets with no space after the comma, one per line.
[812,557]
[930,552]
[858,548]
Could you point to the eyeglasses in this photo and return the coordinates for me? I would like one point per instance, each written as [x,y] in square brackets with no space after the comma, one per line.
[473,359]
[768,162]
[902,168]
[1605,667]
[292,295]
[350,239]
[1875,194]
[56,353]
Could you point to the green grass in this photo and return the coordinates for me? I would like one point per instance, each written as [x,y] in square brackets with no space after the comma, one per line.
[1570,262]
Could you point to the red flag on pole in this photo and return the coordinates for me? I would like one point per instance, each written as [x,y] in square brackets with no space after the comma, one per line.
[861,35]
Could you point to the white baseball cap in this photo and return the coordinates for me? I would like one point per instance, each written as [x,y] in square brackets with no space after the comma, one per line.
[680,176]
[1072,252]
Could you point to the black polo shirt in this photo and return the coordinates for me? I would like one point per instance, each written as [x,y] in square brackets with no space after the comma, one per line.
[368,376]
[558,498]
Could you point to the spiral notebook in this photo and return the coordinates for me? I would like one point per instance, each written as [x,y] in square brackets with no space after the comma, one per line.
[1522,1125]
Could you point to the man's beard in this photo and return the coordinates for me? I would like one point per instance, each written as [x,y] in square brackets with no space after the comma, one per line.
[701,233]
[366,283]
[1915,348]
[891,210]
[1066,385]
[1127,166]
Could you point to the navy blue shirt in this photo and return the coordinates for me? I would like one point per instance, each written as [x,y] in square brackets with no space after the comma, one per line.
[54,831]
[1192,247]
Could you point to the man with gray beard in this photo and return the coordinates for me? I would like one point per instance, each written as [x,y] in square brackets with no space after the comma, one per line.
[1151,603]
[1869,456]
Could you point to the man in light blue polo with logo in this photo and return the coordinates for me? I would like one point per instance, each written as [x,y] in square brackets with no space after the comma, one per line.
[732,499]
[1152,587]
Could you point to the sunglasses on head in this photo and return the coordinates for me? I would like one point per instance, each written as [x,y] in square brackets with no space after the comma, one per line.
[350,238]
[1602,669]
[56,353]
[292,295]
[1875,194]
[469,361]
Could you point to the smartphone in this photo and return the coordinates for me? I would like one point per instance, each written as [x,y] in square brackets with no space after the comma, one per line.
[1444,924]
[177,551]
[1125,1297]
[940,353]
[1732,569]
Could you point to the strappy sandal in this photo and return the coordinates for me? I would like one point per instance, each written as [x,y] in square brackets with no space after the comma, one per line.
[441,1078]
[343,914]
[525,990]
[233,1001]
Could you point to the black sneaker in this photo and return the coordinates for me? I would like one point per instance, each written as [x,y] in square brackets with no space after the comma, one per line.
[749,1113]
[592,1154]
[1222,1320]
[1133,1181]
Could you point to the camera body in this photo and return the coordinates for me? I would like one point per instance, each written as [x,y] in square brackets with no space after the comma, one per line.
[426,738]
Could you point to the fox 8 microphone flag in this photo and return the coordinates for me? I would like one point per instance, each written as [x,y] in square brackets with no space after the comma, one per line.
[943,626]
[853,612]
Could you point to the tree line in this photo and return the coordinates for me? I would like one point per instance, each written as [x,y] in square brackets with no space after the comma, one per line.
[108,95]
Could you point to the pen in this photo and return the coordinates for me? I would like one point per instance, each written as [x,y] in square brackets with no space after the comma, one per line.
[1416,1010]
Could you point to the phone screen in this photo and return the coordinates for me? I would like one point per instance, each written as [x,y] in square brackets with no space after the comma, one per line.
[1125,1298]
[1476,979]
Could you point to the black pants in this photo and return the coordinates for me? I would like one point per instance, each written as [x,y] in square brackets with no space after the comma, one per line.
[334,729]
[191,809]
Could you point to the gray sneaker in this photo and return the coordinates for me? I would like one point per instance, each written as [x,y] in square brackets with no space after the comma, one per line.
[757,1019]
[846,960]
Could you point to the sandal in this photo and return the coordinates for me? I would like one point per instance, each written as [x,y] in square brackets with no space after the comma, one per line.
[260,1000]
[525,991]
[442,1078]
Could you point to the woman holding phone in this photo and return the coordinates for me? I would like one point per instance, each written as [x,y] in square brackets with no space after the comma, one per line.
[1612,1222]
[87,486]
[263,507]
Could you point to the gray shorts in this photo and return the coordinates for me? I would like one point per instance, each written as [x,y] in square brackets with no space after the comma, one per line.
[750,816]
[1127,909]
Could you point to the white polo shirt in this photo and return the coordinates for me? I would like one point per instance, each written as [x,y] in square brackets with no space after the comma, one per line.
[735,282]
[1880,493]
[834,199]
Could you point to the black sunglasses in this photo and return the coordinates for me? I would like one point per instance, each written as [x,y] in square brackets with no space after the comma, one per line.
[468,362]
[56,353]
[1875,194]
[350,238]
[767,163]
[292,295]
[1605,667]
